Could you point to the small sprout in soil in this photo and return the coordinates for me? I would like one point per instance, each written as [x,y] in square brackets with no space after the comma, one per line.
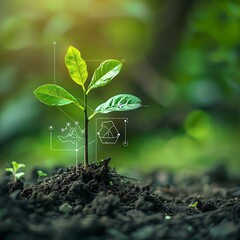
[54,95]
[41,174]
[194,205]
[15,170]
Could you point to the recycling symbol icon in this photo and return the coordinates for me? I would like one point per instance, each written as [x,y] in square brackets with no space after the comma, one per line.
[108,133]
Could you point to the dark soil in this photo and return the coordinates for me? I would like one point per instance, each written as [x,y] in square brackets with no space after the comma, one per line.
[97,203]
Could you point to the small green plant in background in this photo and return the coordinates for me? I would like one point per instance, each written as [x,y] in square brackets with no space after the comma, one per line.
[54,95]
[41,174]
[15,170]
[195,206]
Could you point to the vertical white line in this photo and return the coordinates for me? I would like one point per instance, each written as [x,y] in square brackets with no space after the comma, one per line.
[96,139]
[76,154]
[50,140]
[125,123]
[54,62]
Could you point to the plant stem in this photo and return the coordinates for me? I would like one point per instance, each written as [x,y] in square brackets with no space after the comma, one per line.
[85,132]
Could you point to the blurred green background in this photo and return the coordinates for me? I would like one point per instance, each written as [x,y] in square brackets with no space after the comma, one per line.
[181,58]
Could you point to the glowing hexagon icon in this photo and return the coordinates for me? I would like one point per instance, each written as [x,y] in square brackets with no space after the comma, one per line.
[108,134]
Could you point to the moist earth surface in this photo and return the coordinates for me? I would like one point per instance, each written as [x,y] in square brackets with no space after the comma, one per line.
[97,203]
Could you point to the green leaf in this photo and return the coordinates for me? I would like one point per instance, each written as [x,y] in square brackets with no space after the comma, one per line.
[19,175]
[9,170]
[193,205]
[77,67]
[105,73]
[15,166]
[41,173]
[21,165]
[54,95]
[121,102]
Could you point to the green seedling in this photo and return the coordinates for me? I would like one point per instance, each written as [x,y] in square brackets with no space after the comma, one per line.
[194,205]
[15,170]
[41,174]
[54,95]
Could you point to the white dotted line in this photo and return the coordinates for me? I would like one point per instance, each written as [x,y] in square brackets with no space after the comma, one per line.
[54,62]
[101,60]
[76,155]
[111,118]
[50,140]
[55,149]
[96,140]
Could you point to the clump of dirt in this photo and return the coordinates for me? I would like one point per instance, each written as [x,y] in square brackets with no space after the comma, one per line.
[78,187]
[97,203]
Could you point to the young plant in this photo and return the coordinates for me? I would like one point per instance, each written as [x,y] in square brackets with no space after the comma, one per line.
[195,204]
[54,95]
[41,174]
[15,170]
